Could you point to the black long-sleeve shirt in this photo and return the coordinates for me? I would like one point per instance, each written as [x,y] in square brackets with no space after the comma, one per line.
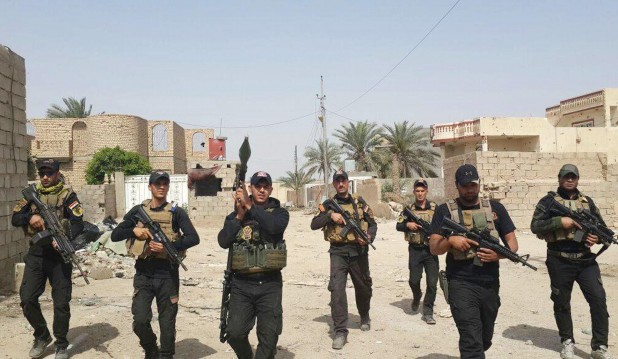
[544,222]
[272,219]
[71,210]
[323,219]
[155,267]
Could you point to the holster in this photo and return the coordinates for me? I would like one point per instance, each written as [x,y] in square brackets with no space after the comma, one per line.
[443,284]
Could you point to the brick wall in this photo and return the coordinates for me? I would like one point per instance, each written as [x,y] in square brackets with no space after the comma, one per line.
[519,179]
[13,160]
[98,201]
[194,157]
[211,210]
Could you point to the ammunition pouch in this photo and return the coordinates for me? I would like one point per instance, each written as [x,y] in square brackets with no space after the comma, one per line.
[562,234]
[255,257]
[473,218]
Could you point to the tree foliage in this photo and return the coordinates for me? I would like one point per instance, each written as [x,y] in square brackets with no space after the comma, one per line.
[295,181]
[74,109]
[315,158]
[109,160]
[410,150]
[359,141]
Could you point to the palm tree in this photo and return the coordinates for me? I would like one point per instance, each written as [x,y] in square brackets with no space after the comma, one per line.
[315,159]
[296,181]
[74,109]
[359,141]
[409,147]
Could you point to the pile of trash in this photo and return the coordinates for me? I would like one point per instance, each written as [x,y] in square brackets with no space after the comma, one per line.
[99,257]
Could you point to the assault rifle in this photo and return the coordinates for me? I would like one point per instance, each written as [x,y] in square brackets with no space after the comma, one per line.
[425,226]
[53,231]
[244,153]
[159,236]
[486,240]
[351,224]
[589,222]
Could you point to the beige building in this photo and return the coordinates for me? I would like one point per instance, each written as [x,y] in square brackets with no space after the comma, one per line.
[519,157]
[165,144]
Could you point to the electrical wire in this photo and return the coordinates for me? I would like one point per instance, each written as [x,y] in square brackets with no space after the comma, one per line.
[254,126]
[404,58]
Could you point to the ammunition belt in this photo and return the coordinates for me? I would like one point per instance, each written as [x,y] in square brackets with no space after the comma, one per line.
[567,255]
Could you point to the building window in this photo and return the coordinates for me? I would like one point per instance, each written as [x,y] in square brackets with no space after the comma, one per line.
[209,186]
[199,142]
[585,123]
[81,142]
[159,138]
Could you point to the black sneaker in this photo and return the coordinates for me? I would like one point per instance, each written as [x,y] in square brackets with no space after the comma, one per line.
[38,347]
[62,353]
[365,323]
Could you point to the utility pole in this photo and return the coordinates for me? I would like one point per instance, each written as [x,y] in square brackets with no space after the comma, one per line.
[322,117]
[296,175]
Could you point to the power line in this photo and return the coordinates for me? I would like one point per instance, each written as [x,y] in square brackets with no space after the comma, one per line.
[254,126]
[403,59]
[342,116]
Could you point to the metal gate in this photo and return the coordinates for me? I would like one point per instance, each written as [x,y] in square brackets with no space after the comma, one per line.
[136,190]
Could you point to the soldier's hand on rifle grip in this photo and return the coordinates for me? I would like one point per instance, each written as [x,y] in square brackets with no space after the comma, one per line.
[142,233]
[413,226]
[55,245]
[37,222]
[568,223]
[461,243]
[487,255]
[337,218]
[591,240]
[155,247]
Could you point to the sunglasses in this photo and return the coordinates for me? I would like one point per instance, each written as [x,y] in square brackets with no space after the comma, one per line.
[47,173]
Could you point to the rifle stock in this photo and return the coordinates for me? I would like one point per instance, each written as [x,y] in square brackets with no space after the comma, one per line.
[53,231]
[486,240]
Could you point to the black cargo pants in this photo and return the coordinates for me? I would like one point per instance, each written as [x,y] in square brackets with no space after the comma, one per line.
[358,267]
[421,258]
[165,291]
[563,273]
[38,269]
[256,296]
[474,308]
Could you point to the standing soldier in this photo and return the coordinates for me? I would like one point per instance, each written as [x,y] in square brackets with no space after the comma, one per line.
[570,261]
[348,254]
[473,289]
[254,234]
[156,275]
[44,262]
[418,249]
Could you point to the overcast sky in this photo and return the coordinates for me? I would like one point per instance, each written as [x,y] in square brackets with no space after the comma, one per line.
[252,63]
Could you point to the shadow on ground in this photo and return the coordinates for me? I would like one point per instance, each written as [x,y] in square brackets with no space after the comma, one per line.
[541,337]
[192,348]
[94,336]
[437,356]
[283,353]
[353,322]
[406,306]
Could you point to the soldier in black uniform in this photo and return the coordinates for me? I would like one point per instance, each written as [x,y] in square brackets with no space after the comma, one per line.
[347,255]
[569,261]
[254,234]
[473,290]
[156,276]
[418,249]
[44,262]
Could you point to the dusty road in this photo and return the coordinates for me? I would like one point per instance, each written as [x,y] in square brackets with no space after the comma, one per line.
[525,326]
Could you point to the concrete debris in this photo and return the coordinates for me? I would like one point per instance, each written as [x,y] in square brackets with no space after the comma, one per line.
[99,273]
[189,282]
[587,331]
[445,313]
[529,342]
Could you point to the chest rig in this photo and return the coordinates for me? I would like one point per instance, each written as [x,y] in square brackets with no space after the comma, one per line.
[416,238]
[165,218]
[472,218]
[355,209]
[251,253]
[581,202]
[57,202]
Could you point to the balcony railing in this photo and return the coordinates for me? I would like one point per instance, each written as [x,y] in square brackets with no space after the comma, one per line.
[458,130]
[584,102]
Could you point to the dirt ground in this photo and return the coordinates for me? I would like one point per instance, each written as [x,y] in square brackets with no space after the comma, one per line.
[525,328]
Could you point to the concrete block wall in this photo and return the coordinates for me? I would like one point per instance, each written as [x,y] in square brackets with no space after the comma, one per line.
[13,160]
[98,201]
[519,179]
[210,210]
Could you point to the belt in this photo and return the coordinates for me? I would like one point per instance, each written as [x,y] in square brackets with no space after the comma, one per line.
[567,255]
[262,276]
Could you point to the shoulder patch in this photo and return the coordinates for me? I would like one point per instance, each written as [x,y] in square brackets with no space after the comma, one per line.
[73,205]
[20,205]
[77,210]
